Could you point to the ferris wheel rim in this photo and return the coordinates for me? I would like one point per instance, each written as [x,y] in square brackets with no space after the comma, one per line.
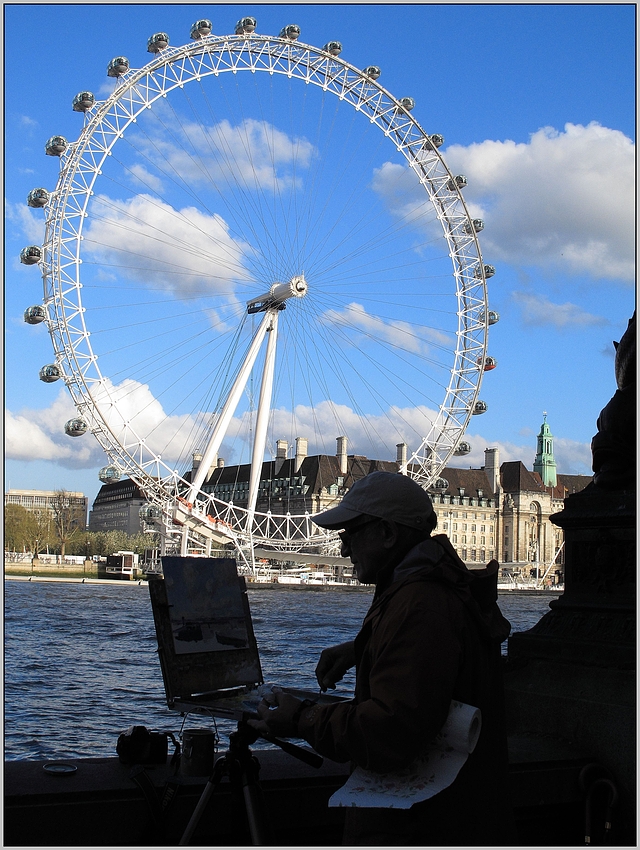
[81,369]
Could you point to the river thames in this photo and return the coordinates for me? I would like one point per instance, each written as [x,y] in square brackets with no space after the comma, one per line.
[81,660]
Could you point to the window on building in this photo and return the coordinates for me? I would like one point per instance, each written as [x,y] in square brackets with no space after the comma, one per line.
[482,541]
[455,538]
[473,539]
[482,528]
[473,554]
[473,527]
[464,538]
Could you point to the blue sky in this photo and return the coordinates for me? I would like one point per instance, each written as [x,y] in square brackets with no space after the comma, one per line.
[537,107]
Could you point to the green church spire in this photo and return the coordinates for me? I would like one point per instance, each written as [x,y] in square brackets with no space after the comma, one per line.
[545,463]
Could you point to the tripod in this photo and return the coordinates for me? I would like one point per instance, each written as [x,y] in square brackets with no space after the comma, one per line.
[242,768]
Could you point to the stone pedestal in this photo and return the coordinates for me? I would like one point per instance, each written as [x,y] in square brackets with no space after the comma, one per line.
[572,676]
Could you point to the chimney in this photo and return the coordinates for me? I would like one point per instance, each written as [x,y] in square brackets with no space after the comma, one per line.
[401,457]
[220,462]
[282,447]
[492,468]
[342,454]
[197,457]
[301,451]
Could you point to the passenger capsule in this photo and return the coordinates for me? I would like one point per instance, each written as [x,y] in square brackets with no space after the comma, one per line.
[149,512]
[291,31]
[83,101]
[75,427]
[109,474]
[480,407]
[474,226]
[30,255]
[462,449]
[157,42]
[372,71]
[118,66]
[246,26]
[333,47]
[201,29]
[35,315]
[38,198]
[56,146]
[486,271]
[489,363]
[457,182]
[433,142]
[407,103]
[50,373]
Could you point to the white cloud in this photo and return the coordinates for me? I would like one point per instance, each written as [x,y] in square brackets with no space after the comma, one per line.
[564,200]
[144,176]
[29,122]
[131,408]
[33,434]
[538,310]
[398,333]
[254,154]
[183,251]
[27,222]
[403,195]
[39,435]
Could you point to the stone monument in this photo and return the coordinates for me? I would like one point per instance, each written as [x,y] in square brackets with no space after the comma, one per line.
[571,678]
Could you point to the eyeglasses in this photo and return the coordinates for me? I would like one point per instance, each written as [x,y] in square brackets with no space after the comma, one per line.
[346,535]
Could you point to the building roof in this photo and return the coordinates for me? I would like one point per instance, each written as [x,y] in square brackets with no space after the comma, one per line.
[318,470]
[515,477]
[471,480]
[574,483]
[125,489]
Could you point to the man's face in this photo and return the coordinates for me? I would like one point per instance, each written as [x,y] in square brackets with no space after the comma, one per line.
[360,543]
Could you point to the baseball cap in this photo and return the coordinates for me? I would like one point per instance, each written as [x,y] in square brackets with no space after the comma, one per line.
[387,495]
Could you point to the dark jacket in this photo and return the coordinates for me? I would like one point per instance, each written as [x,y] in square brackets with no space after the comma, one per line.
[427,639]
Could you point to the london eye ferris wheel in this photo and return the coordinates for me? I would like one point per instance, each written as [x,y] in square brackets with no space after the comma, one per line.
[252,240]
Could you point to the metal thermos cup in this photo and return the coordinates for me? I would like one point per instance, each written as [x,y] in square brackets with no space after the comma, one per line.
[198,748]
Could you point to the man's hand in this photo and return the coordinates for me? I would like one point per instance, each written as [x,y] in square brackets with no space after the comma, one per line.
[276,712]
[334,663]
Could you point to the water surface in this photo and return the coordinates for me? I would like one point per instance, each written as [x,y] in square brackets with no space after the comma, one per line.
[81,660]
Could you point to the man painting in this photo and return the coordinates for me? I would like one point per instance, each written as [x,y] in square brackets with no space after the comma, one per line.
[431,635]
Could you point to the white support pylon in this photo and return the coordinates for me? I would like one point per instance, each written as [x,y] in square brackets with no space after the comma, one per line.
[262,419]
[270,304]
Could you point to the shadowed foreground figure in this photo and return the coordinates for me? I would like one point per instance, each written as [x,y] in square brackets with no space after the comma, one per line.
[432,634]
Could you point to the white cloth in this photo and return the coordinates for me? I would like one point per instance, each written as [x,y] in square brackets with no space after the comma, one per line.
[426,776]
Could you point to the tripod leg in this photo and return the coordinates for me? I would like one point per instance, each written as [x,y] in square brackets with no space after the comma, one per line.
[254,805]
[258,827]
[209,788]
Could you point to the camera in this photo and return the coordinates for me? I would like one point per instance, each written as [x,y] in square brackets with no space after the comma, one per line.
[137,745]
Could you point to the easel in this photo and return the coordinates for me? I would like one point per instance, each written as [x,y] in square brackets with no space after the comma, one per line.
[242,768]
